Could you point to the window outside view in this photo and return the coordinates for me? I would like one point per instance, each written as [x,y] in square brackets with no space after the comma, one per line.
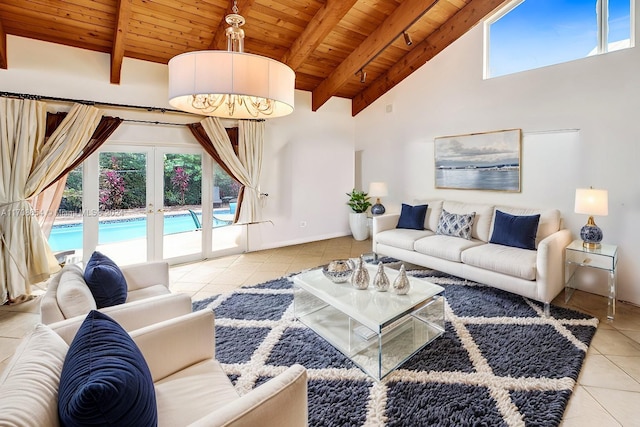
[538,33]
[123,203]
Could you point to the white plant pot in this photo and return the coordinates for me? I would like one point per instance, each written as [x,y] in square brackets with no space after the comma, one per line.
[359,225]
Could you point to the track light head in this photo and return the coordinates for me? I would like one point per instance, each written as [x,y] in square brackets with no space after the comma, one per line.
[363,76]
[407,38]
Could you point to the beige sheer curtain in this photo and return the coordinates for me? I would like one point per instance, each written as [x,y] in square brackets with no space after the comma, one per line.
[28,166]
[246,166]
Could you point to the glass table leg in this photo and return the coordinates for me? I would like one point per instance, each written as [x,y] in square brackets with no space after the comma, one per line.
[611,309]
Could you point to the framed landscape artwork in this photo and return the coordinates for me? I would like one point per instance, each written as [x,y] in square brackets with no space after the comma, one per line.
[479,161]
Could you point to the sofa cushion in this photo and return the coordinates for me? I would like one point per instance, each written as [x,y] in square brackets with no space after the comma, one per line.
[29,383]
[518,231]
[412,217]
[482,221]
[105,280]
[549,223]
[503,259]
[73,296]
[445,247]
[434,209]
[105,379]
[401,238]
[193,393]
[456,225]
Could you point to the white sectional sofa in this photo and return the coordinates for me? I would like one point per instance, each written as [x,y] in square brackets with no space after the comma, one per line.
[533,273]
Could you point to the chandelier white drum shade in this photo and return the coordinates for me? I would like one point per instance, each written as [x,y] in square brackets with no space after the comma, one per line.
[231,84]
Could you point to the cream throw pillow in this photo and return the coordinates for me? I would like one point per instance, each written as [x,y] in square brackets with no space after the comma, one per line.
[29,384]
[73,295]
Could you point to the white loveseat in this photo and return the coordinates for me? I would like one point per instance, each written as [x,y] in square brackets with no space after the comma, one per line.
[535,274]
[190,386]
[68,295]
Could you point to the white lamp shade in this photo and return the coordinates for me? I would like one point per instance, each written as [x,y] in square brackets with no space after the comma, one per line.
[378,189]
[213,72]
[592,202]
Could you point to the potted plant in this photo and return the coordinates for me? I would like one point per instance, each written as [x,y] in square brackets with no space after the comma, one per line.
[359,203]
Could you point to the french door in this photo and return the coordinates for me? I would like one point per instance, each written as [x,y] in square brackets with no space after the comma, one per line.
[149,203]
[143,203]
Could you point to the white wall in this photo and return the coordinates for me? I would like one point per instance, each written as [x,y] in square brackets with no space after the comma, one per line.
[600,96]
[308,161]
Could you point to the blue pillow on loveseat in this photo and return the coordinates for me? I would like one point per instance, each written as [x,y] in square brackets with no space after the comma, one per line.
[105,280]
[518,231]
[412,217]
[105,379]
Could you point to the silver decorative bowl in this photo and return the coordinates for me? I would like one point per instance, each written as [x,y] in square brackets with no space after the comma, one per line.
[338,271]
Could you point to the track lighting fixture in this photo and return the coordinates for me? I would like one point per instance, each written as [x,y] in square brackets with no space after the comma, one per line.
[363,76]
[407,38]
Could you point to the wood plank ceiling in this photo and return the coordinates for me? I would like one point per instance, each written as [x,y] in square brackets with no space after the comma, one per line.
[326,42]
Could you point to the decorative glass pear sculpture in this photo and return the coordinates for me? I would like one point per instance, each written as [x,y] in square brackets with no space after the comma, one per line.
[380,280]
[360,277]
[401,285]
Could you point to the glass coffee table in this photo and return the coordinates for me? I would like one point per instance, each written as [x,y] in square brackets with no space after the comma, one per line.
[378,331]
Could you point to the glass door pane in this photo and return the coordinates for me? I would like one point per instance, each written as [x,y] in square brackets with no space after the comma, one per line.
[122,198]
[226,238]
[66,233]
[182,201]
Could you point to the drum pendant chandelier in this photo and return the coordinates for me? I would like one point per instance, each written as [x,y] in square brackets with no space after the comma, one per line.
[231,83]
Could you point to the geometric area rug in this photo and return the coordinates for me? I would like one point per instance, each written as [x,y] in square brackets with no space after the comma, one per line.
[500,362]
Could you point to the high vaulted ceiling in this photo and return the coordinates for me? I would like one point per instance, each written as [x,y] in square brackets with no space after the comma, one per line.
[326,42]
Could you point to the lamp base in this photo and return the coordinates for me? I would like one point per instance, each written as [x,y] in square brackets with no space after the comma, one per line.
[591,235]
[377,209]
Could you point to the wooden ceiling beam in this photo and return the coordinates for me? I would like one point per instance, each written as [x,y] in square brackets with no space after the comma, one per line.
[329,15]
[119,37]
[219,41]
[405,15]
[465,19]
[3,48]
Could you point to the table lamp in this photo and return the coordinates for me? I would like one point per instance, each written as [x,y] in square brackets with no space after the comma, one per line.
[591,202]
[377,190]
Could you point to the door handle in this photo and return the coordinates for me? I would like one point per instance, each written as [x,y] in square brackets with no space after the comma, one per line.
[162,210]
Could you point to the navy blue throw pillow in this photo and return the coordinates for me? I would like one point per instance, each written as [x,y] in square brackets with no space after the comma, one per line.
[518,231]
[412,217]
[105,379]
[105,280]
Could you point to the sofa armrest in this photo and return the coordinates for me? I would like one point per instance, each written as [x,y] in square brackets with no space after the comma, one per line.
[172,345]
[132,315]
[280,402]
[146,274]
[550,264]
[385,222]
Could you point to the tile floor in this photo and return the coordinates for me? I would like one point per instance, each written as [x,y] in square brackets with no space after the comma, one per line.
[608,391]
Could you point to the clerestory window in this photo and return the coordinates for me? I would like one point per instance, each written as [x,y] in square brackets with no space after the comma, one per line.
[529,34]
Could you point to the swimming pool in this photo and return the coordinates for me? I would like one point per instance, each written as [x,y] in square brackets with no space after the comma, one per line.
[65,237]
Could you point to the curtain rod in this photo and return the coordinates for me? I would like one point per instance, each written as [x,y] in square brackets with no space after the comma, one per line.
[110,104]
[87,102]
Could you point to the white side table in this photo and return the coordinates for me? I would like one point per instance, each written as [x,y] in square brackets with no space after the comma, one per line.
[603,258]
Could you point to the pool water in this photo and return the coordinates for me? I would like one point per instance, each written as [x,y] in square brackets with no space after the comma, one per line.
[69,236]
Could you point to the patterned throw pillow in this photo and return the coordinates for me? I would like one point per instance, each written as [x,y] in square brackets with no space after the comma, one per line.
[457,225]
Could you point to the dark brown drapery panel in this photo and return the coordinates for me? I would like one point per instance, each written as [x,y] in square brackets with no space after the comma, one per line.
[48,201]
[203,139]
[104,130]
